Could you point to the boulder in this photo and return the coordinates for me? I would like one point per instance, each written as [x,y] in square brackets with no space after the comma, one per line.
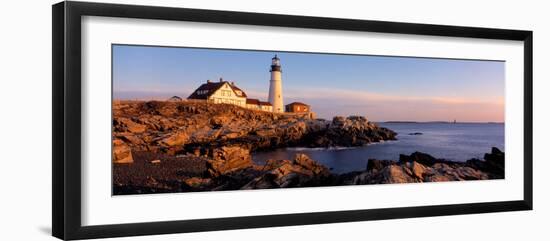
[417,170]
[443,172]
[131,138]
[389,174]
[176,139]
[307,163]
[419,157]
[126,124]
[121,152]
[377,165]
[409,170]
[300,172]
[493,164]
[495,159]
[228,159]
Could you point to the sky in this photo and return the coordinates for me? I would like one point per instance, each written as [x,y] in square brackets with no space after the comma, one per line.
[382,88]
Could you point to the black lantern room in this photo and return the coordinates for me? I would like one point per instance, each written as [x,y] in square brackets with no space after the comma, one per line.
[275,64]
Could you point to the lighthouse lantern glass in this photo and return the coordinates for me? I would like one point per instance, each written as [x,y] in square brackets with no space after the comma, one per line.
[275,61]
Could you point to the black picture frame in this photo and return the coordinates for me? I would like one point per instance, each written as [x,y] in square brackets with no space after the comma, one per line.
[66,75]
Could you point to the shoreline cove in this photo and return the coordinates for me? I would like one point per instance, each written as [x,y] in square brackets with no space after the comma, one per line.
[454,142]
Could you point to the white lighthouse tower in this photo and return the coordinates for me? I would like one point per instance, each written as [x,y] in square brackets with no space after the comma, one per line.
[276,86]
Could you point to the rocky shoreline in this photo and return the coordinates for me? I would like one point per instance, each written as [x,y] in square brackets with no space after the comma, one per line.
[231,168]
[178,128]
[161,147]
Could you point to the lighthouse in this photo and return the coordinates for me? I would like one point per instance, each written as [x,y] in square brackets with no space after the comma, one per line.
[276,86]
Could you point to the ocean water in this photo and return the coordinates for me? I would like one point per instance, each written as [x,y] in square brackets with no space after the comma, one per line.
[456,142]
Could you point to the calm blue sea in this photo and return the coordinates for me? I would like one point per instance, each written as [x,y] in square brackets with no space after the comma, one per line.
[457,142]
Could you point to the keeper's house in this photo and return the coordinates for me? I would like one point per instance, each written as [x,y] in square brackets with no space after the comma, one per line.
[224,92]
[299,108]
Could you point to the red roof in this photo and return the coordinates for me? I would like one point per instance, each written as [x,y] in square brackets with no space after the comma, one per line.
[265,103]
[206,90]
[257,102]
[297,103]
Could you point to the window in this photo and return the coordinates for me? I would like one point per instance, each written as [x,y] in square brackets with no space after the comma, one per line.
[226,93]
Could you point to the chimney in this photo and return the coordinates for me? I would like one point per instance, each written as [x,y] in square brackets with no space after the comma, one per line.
[208,81]
[232,83]
[221,79]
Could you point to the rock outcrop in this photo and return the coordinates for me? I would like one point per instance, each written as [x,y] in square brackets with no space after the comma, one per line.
[300,172]
[121,152]
[493,164]
[188,127]
[230,168]
[228,159]
[422,167]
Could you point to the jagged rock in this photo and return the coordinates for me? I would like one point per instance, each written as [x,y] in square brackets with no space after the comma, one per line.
[417,170]
[419,157]
[176,139]
[309,164]
[410,172]
[389,174]
[377,165]
[124,124]
[131,138]
[302,171]
[443,172]
[228,159]
[421,167]
[121,152]
[493,164]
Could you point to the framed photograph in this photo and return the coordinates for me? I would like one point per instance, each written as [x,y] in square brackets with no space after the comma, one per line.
[170,120]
